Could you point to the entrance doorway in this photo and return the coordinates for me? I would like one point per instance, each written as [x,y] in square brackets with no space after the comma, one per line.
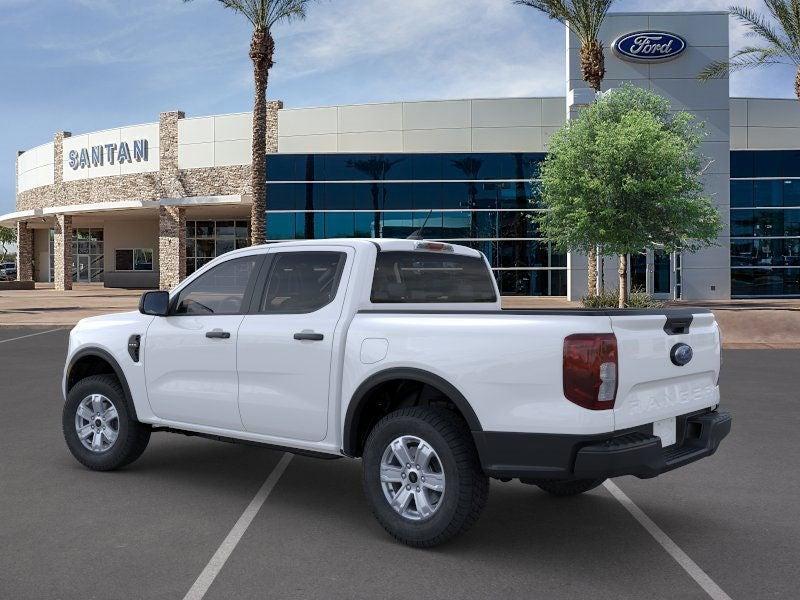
[655,272]
[87,255]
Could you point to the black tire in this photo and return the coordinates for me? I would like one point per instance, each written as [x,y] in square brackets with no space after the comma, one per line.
[568,487]
[466,485]
[132,437]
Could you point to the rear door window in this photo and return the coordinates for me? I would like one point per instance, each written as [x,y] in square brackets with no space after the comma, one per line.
[302,282]
[428,277]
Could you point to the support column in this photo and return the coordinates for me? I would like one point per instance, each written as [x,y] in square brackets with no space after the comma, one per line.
[62,250]
[171,246]
[24,252]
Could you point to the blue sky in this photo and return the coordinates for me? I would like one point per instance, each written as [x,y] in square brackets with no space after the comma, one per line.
[84,65]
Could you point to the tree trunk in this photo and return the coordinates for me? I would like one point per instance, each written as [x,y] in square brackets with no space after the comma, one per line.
[797,84]
[592,272]
[593,70]
[623,280]
[262,48]
[593,67]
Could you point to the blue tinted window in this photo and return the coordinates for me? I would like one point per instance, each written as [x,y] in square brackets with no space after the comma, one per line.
[464,166]
[455,195]
[524,283]
[742,164]
[768,164]
[339,225]
[765,282]
[557,259]
[456,225]
[768,193]
[367,196]
[778,253]
[791,192]
[282,196]
[339,196]
[426,166]
[280,226]
[790,165]
[396,196]
[281,167]
[398,224]
[741,194]
[365,225]
[742,223]
[426,195]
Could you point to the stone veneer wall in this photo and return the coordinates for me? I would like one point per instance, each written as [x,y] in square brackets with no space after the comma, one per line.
[169,182]
[171,246]
[62,250]
[24,252]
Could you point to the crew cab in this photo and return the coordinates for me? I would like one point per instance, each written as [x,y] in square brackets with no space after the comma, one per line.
[397,352]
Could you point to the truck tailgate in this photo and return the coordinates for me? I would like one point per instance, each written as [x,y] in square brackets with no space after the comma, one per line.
[651,387]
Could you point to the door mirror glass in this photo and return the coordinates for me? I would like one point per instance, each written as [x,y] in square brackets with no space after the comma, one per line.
[154,303]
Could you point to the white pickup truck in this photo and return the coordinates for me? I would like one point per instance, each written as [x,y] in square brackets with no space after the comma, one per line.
[397,352]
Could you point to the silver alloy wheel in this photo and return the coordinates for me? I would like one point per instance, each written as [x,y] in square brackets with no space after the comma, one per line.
[97,423]
[412,478]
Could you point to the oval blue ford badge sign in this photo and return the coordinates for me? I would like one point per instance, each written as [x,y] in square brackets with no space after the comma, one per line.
[649,46]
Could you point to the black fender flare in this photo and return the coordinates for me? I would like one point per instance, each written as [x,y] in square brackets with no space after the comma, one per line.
[107,357]
[358,401]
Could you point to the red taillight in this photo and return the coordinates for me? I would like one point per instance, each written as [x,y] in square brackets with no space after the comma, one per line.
[590,370]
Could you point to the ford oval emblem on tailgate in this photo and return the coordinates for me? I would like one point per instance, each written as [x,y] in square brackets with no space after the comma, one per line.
[681,354]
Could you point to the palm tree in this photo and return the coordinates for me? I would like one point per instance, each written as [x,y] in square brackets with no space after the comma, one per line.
[779,41]
[584,19]
[263,15]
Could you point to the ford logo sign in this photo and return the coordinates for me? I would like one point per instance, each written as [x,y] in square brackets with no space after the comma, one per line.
[681,354]
[649,46]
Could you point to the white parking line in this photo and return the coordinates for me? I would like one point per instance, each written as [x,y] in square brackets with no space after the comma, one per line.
[222,554]
[688,565]
[22,337]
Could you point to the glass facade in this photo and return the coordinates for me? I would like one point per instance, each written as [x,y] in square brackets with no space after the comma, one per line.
[765,223]
[483,201]
[205,240]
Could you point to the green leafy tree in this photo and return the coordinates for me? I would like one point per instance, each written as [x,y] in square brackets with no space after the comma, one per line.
[263,15]
[778,40]
[626,175]
[584,19]
[8,236]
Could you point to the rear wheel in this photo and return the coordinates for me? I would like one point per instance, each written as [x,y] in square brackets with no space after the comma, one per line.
[569,487]
[98,426]
[422,476]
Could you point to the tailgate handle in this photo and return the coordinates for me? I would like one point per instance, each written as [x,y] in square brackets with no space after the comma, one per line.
[678,324]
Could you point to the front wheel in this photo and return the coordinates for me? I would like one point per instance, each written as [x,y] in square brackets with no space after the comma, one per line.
[98,426]
[422,476]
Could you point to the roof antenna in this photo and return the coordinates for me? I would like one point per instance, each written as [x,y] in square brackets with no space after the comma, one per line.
[417,235]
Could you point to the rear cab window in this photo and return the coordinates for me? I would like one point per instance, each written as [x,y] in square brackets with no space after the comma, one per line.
[415,277]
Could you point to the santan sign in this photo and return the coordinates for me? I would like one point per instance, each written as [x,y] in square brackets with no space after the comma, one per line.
[97,156]
[649,46]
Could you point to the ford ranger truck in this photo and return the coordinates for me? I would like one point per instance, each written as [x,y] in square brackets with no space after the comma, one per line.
[397,352]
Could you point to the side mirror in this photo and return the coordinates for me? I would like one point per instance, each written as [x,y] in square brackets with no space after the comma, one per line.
[154,303]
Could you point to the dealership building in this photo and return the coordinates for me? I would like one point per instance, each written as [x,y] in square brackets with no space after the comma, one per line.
[146,205]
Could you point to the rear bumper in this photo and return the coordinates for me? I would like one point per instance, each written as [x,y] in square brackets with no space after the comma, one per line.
[632,452]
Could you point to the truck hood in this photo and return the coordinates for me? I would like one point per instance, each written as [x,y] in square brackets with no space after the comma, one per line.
[130,318]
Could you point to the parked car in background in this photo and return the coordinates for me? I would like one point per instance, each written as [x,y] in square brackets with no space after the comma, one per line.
[397,352]
[8,271]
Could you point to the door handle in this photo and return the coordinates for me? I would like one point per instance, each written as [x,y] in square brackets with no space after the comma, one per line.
[218,334]
[309,335]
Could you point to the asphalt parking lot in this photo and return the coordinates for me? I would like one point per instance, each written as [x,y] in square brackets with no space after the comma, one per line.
[150,530]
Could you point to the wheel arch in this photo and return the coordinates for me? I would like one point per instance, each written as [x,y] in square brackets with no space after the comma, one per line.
[362,398]
[96,361]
